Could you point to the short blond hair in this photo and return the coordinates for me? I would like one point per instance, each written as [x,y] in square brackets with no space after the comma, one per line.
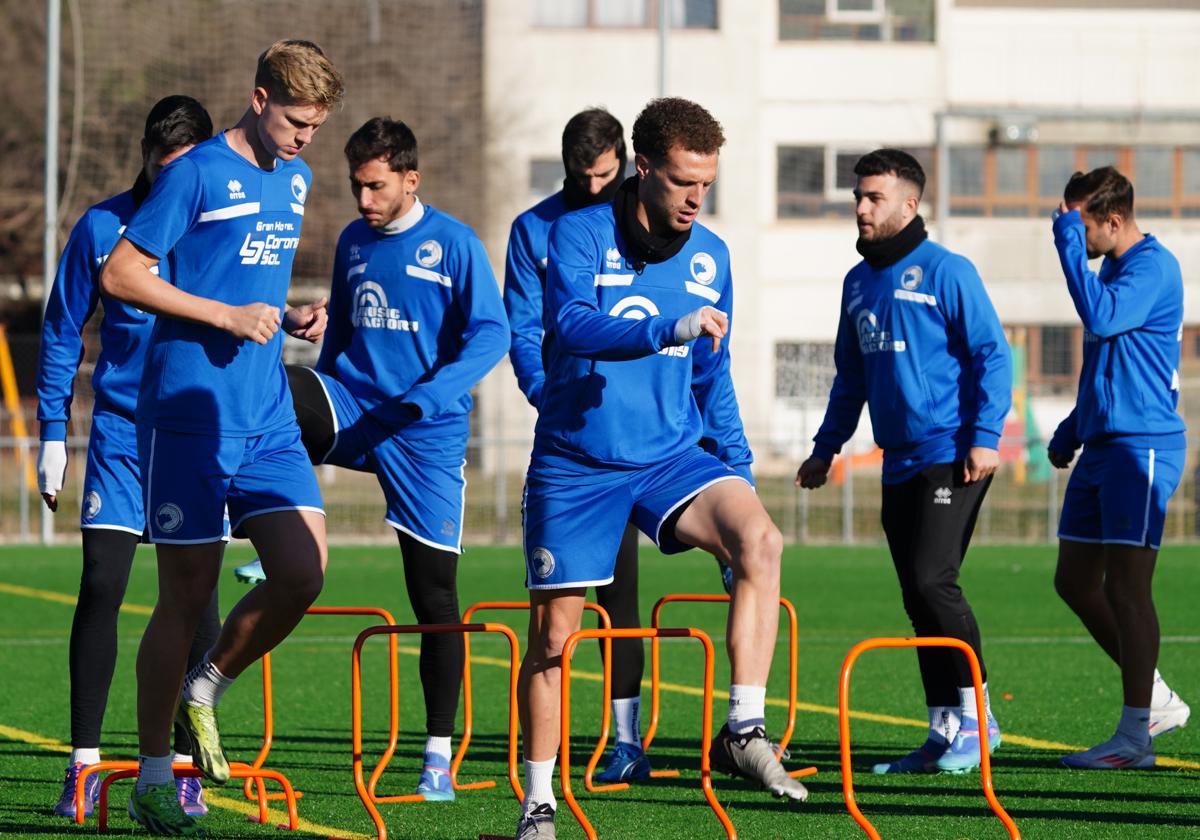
[299,73]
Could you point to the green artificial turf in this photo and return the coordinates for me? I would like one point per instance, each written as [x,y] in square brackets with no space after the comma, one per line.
[1049,684]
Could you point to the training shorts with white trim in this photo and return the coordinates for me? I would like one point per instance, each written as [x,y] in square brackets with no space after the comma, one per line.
[1118,494]
[422,480]
[112,480]
[191,478]
[574,517]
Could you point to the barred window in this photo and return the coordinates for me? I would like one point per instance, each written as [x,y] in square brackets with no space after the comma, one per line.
[803,369]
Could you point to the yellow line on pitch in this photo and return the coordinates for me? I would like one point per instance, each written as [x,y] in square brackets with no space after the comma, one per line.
[62,598]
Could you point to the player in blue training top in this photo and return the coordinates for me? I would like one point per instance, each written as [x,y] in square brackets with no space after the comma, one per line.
[111,517]
[919,342]
[593,151]
[1134,446]
[415,322]
[630,286]
[215,420]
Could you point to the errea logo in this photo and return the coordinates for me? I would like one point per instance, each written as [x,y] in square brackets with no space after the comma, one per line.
[612,258]
[235,189]
[941,496]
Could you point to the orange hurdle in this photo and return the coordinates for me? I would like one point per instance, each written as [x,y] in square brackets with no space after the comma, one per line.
[985,761]
[237,770]
[369,800]
[394,724]
[706,726]
[793,653]
[605,715]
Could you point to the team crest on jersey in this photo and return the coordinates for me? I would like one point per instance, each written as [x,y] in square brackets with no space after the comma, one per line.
[543,562]
[91,505]
[704,268]
[634,307]
[612,258]
[235,189]
[168,517]
[429,253]
[299,188]
[912,277]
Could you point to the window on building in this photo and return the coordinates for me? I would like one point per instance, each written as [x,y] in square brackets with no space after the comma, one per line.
[856,20]
[1056,356]
[803,370]
[623,14]
[545,177]
[817,181]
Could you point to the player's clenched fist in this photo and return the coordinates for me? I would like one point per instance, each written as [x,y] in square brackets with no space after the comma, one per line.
[812,473]
[255,321]
[704,321]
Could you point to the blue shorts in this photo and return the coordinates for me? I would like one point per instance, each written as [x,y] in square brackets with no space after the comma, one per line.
[574,517]
[1118,494]
[422,480]
[112,480]
[191,478]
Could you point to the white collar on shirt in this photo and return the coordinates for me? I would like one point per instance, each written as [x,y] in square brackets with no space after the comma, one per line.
[406,221]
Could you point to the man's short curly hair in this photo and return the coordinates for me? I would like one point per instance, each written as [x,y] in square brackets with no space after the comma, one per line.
[672,121]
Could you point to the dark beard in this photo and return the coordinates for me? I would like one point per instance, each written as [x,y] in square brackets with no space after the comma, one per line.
[880,253]
[576,197]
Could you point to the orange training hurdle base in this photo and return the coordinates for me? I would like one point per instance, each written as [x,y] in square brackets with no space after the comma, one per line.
[706,727]
[269,718]
[393,630]
[237,770]
[985,762]
[793,654]
[605,715]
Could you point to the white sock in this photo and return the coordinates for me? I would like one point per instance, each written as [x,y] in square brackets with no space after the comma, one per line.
[1161,693]
[969,707]
[154,770]
[626,712]
[438,746]
[944,722]
[204,684]
[85,755]
[539,788]
[747,707]
[180,758]
[1135,725]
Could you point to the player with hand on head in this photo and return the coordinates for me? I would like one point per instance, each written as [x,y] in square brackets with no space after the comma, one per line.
[593,152]
[112,520]
[415,322]
[919,342]
[632,288]
[216,428]
[1134,447]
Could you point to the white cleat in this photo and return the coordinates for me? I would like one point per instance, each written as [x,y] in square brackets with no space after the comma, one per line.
[1169,716]
[1116,753]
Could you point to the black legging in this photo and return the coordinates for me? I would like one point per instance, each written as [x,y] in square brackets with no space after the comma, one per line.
[929,520]
[107,560]
[620,599]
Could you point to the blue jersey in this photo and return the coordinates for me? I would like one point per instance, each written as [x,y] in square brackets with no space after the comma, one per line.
[920,343]
[1132,313]
[124,329]
[618,390]
[414,318]
[229,230]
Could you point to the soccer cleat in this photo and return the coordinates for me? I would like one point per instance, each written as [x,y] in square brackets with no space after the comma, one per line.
[1117,753]
[251,573]
[751,756]
[191,796]
[962,756]
[626,763]
[157,809]
[538,824]
[1169,716]
[435,784]
[65,807]
[726,576]
[200,723]
[921,760]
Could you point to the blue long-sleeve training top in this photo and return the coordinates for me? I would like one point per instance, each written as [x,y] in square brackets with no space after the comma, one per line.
[920,343]
[124,329]
[524,288]
[415,318]
[1132,314]
[619,391]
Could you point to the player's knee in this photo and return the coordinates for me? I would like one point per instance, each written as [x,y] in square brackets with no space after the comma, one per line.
[100,593]
[937,593]
[761,547]
[1071,590]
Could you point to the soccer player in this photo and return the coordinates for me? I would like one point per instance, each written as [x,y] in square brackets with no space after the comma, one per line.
[630,286]
[415,321]
[919,342]
[593,151]
[111,519]
[1134,446]
[215,420]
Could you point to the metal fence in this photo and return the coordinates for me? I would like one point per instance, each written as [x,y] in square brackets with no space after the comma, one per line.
[844,511]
